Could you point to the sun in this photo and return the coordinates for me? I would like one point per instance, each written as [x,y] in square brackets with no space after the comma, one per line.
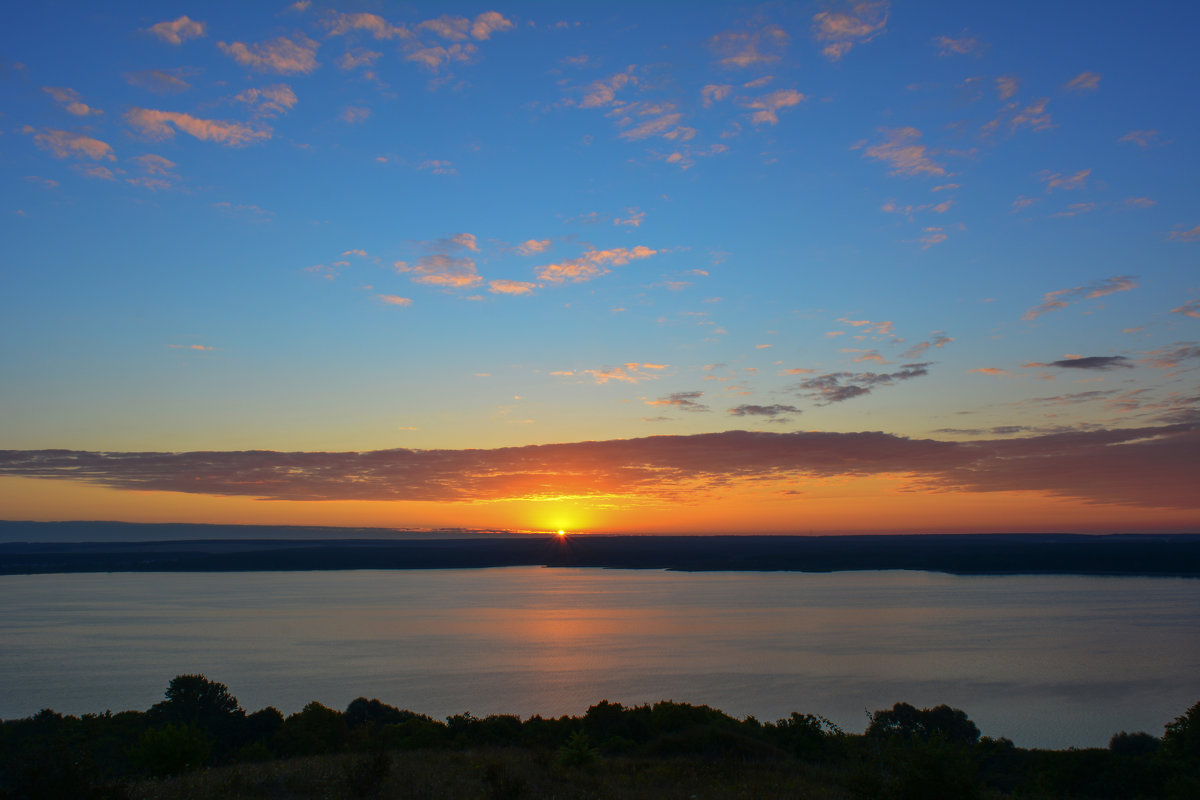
[562,534]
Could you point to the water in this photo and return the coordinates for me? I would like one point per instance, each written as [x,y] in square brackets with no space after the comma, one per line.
[1048,661]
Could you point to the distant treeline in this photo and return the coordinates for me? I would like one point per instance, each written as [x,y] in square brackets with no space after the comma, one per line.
[1175,555]
[905,752]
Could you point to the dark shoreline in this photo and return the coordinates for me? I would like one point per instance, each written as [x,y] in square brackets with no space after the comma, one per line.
[1145,555]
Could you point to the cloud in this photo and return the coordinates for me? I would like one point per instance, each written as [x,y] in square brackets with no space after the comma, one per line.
[767,107]
[900,151]
[1169,357]
[1053,301]
[532,246]
[511,287]
[1189,235]
[438,167]
[1033,116]
[714,93]
[990,371]
[357,58]
[1006,86]
[352,115]
[441,269]
[1192,307]
[1142,139]
[157,125]
[488,23]
[157,81]
[377,26]
[938,339]
[931,236]
[592,264]
[1087,362]
[745,49]
[178,31]
[268,101]
[772,411]
[602,93]
[856,23]
[157,169]
[1056,180]
[1149,467]
[69,98]
[395,300]
[634,219]
[836,387]
[963,45]
[282,55]
[65,144]
[1083,82]
[432,58]
[686,401]
[631,372]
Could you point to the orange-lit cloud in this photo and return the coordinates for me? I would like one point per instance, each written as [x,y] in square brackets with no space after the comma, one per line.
[489,22]
[1006,86]
[1056,180]
[1189,235]
[1192,307]
[990,371]
[714,93]
[157,81]
[158,125]
[602,93]
[855,23]
[1142,467]
[631,372]
[592,264]
[268,101]
[395,300]
[178,31]
[963,45]
[65,144]
[511,287]
[685,401]
[533,246]
[442,269]
[377,26]
[1142,139]
[282,55]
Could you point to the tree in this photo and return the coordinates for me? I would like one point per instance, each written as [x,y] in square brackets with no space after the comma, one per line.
[195,700]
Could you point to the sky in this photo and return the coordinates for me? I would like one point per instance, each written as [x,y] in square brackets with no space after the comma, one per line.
[827,267]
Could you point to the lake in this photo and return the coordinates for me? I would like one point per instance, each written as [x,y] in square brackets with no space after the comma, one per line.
[1047,661]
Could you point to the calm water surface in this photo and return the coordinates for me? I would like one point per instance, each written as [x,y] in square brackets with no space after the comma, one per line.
[1047,661]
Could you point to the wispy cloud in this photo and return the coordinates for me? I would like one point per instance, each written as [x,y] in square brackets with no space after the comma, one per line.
[748,48]
[937,340]
[268,101]
[902,153]
[511,287]
[1191,308]
[178,31]
[766,108]
[65,144]
[1188,235]
[1101,363]
[1139,467]
[1056,300]
[1056,180]
[990,371]
[684,401]
[533,246]
[156,124]
[603,92]
[438,166]
[855,23]
[715,93]
[592,264]
[395,299]
[443,266]
[631,372]
[1142,139]
[286,56]
[960,46]
[157,81]
[352,115]
[772,412]
[1007,86]
[1083,82]
[71,101]
[837,387]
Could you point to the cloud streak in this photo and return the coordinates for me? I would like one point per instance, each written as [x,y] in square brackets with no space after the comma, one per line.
[1143,467]
[1054,301]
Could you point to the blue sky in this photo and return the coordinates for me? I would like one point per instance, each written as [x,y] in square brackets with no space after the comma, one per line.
[362,227]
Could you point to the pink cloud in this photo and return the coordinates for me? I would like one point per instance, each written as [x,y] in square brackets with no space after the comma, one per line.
[488,23]
[714,93]
[963,45]
[283,55]
[1006,86]
[268,101]
[990,371]
[532,246]
[1056,180]
[441,269]
[64,144]
[903,154]
[70,100]
[632,372]
[602,93]
[767,107]
[745,49]
[158,125]
[1083,82]
[855,23]
[1191,308]
[178,31]
[1189,235]
[377,26]
[432,58]
[1142,139]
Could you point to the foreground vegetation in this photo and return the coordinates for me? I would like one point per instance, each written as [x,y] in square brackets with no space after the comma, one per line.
[199,743]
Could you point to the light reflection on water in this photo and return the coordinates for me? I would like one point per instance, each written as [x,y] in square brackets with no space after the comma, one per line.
[1045,660]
